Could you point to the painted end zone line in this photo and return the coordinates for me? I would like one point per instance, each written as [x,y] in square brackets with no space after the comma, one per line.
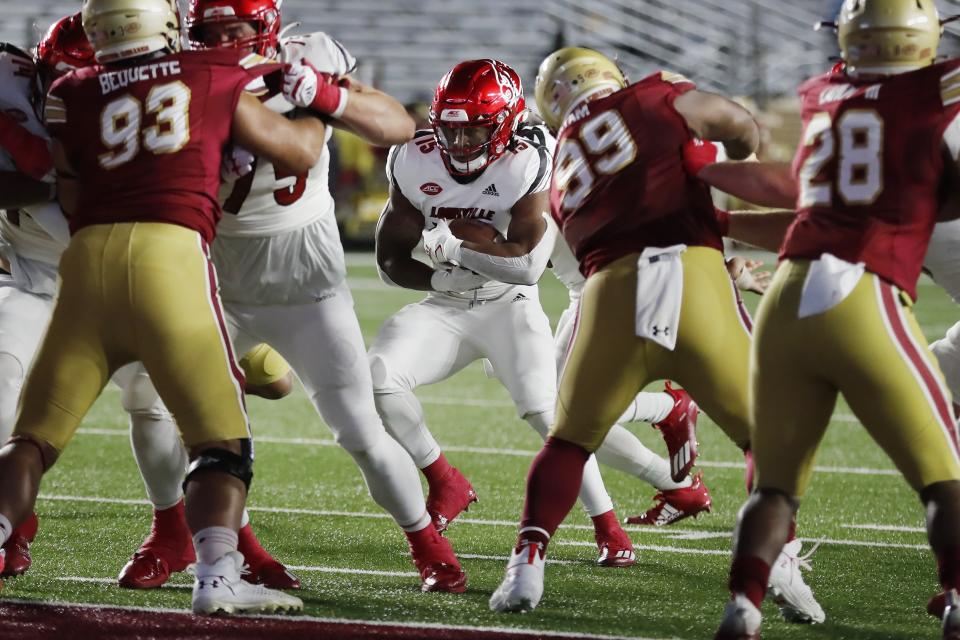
[81,620]
[522,453]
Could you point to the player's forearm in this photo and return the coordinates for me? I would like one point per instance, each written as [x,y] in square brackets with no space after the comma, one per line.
[377,118]
[509,262]
[405,272]
[767,184]
[18,191]
[763,229]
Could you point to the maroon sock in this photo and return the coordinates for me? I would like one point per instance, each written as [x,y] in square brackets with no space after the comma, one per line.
[552,487]
[606,521]
[948,567]
[749,575]
[751,469]
[436,470]
[792,530]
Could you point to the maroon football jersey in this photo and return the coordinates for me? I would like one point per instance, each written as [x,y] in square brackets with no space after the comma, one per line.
[618,183]
[146,139]
[870,167]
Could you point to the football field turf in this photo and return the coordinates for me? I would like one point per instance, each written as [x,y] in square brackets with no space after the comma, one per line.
[872,573]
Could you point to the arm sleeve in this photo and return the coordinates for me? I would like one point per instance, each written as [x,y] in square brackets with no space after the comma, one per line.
[525,269]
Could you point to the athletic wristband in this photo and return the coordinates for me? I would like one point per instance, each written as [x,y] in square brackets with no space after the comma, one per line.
[342,106]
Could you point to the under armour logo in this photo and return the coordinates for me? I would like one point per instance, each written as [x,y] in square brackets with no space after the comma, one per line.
[491,190]
[658,330]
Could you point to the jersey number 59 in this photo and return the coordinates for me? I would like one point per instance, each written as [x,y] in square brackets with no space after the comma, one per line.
[604,147]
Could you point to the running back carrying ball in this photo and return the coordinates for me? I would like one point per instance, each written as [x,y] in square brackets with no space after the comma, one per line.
[473,230]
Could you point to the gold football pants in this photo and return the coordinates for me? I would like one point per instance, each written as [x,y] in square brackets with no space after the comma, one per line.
[608,364]
[136,291]
[262,365]
[869,348]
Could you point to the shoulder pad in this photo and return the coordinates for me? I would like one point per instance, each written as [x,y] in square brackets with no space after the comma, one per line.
[6,47]
[322,51]
[673,78]
[533,133]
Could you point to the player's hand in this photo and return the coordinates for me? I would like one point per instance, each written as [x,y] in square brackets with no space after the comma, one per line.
[456,280]
[441,246]
[30,153]
[306,87]
[236,163]
[698,154]
[745,275]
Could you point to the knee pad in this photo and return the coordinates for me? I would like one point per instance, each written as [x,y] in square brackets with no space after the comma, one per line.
[139,396]
[383,378]
[239,466]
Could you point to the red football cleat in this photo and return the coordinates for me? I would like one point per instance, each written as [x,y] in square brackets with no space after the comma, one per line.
[449,497]
[435,560]
[17,548]
[679,430]
[263,568]
[616,550]
[168,549]
[676,504]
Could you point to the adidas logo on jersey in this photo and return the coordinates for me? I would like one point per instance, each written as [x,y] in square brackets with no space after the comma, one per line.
[490,191]
[519,298]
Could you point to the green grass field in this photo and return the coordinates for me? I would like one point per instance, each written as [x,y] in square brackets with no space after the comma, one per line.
[872,574]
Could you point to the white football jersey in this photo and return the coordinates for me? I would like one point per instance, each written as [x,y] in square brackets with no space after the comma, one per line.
[250,205]
[19,232]
[565,265]
[417,170]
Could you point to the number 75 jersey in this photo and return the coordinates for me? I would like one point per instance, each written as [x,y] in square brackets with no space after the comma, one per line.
[870,168]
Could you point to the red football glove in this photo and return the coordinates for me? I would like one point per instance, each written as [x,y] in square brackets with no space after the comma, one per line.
[698,154]
[306,87]
[30,153]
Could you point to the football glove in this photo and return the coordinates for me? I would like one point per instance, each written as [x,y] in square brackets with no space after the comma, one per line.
[235,164]
[306,87]
[441,246]
[698,154]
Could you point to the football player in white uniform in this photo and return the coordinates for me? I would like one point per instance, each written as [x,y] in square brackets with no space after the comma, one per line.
[281,265]
[474,164]
[32,237]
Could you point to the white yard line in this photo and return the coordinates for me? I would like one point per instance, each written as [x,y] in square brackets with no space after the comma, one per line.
[675,534]
[520,453]
[347,621]
[885,527]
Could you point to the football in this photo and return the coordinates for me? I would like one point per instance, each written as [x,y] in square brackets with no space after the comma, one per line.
[473,230]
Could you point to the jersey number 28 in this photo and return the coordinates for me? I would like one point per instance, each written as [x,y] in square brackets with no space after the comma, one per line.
[859,175]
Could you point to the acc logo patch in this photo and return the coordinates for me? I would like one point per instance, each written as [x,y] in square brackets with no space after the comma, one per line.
[431,188]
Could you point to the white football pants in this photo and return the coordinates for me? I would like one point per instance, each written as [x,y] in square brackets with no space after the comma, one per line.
[942,262]
[324,346]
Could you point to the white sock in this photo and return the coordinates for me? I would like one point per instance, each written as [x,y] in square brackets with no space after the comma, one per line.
[160,455]
[213,543]
[624,452]
[6,528]
[593,494]
[393,482]
[648,407]
[402,415]
[245,519]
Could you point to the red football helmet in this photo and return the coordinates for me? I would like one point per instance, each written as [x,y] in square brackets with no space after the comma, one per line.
[477,107]
[263,15]
[63,48]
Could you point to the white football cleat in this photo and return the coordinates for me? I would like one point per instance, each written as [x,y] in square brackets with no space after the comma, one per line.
[787,588]
[741,620]
[219,588]
[522,587]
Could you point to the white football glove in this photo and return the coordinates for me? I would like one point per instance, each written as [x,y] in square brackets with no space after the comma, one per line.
[456,280]
[305,87]
[236,164]
[441,246]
